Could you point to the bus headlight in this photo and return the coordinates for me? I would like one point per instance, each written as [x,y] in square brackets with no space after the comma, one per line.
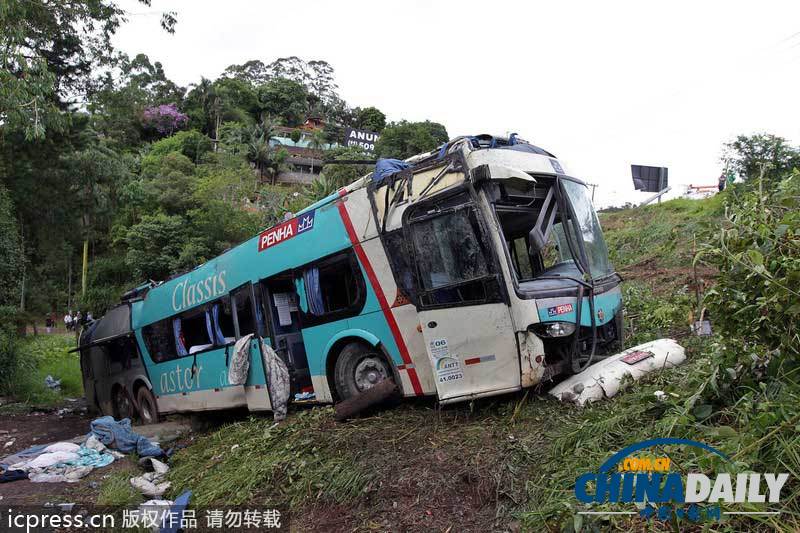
[553,329]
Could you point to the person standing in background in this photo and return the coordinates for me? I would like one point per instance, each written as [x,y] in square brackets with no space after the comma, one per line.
[722,181]
[68,320]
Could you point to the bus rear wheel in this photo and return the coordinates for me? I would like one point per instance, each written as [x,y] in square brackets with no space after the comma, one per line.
[148,409]
[358,368]
[123,407]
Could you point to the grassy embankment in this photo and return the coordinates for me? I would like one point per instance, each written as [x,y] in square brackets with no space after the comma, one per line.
[37,357]
[502,461]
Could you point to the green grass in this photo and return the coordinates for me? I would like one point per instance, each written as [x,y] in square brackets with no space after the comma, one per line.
[38,357]
[663,233]
[290,462]
[117,491]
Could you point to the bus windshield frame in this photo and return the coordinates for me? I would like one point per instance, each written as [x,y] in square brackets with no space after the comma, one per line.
[576,246]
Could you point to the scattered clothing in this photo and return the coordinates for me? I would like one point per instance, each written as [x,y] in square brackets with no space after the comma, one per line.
[62,447]
[27,453]
[277,381]
[152,484]
[12,475]
[304,396]
[119,435]
[49,459]
[240,361]
[63,466]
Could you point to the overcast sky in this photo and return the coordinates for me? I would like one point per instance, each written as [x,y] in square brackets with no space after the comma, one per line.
[600,84]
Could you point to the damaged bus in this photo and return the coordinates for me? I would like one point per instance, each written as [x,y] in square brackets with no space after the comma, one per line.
[474,270]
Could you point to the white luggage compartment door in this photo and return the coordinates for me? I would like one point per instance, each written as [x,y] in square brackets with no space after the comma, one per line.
[472,350]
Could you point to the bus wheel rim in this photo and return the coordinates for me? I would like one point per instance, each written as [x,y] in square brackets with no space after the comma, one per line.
[369,372]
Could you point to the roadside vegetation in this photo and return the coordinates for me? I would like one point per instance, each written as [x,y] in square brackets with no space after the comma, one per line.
[35,358]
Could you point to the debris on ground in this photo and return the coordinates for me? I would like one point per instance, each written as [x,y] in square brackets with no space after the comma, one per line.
[152,484]
[119,435]
[380,392]
[51,383]
[604,379]
[56,463]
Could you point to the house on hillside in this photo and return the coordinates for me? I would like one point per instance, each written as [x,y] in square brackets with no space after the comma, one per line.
[305,154]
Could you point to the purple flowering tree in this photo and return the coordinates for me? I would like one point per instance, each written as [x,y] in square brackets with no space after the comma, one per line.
[165,119]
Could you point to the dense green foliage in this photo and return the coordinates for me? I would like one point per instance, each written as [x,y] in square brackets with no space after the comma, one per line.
[151,177]
[403,139]
[758,256]
[39,357]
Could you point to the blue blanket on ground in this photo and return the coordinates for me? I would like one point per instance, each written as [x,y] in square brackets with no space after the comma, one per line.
[119,435]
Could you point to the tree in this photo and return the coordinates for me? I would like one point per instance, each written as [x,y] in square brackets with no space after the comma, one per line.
[404,139]
[317,143]
[283,98]
[749,155]
[267,159]
[48,52]
[165,119]
[340,175]
[155,246]
[372,119]
[10,252]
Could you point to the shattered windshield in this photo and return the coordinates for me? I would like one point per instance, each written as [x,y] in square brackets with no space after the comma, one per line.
[590,232]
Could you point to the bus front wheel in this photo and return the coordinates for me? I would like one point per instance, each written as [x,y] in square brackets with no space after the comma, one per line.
[148,409]
[358,368]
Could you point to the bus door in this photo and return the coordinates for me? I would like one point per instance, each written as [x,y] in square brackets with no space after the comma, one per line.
[281,302]
[465,322]
[250,319]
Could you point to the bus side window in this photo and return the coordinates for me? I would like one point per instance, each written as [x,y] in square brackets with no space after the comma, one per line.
[334,288]
[222,314]
[194,330]
[244,311]
[400,262]
[160,341]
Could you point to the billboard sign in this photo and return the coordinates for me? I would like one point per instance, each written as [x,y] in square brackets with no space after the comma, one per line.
[363,139]
[649,179]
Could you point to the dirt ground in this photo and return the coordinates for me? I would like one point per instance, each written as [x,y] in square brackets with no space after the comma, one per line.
[63,424]
[20,431]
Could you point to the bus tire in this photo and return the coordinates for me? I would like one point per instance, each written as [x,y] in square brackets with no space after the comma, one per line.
[148,408]
[121,404]
[358,368]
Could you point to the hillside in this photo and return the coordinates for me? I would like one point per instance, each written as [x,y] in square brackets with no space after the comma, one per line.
[506,462]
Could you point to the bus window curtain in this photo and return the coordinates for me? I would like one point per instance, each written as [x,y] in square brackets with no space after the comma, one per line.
[176,330]
[218,337]
[300,289]
[210,328]
[313,292]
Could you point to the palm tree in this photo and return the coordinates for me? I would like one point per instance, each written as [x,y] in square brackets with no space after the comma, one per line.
[317,143]
[261,153]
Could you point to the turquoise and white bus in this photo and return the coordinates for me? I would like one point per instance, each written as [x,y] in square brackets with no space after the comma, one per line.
[473,270]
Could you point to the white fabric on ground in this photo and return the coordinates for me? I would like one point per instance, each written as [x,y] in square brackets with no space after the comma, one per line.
[62,447]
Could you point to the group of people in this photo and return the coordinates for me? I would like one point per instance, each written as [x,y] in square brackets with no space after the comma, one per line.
[74,322]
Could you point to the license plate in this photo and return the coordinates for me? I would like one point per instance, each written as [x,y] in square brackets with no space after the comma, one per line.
[637,356]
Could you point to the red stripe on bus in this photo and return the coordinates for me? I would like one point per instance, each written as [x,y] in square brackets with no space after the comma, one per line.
[373,281]
[472,361]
